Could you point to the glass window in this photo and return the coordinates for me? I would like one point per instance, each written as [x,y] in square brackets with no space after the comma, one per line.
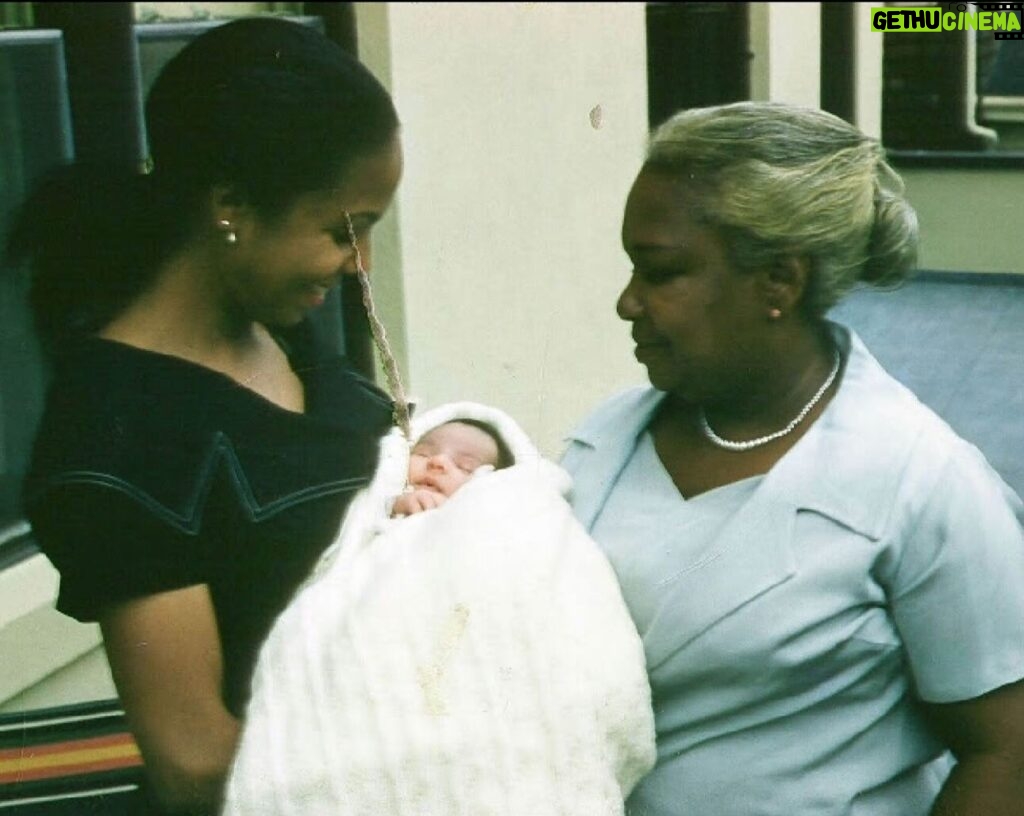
[967,84]
[697,54]
[35,135]
[1001,86]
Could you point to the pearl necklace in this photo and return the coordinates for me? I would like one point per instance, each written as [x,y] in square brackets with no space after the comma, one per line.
[764,440]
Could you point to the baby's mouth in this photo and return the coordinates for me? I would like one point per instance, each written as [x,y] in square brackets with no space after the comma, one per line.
[429,483]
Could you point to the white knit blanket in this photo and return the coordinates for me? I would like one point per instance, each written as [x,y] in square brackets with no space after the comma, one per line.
[473,660]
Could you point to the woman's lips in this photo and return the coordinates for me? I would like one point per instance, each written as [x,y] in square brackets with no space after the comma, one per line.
[316,294]
[645,348]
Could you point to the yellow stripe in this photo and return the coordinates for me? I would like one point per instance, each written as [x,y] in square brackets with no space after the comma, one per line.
[28,762]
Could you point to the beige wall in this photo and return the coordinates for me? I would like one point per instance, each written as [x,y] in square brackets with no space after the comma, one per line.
[786,61]
[48,659]
[970,219]
[867,50]
[498,270]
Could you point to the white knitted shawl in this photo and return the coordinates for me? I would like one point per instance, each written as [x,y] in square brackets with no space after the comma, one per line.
[473,660]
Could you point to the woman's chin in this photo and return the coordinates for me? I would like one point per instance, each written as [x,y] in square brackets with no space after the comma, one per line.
[661,377]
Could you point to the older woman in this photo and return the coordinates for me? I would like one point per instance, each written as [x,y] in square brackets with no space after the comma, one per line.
[829,582]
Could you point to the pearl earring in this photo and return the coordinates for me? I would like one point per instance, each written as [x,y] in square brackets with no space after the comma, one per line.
[229,234]
[774,314]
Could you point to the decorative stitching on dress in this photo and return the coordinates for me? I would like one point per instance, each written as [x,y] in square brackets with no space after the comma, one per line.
[189,522]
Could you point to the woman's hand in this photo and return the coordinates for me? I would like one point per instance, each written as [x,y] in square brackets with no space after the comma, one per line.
[165,655]
[987,737]
[417,501]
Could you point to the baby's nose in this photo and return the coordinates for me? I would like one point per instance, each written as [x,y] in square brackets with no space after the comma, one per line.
[439,461]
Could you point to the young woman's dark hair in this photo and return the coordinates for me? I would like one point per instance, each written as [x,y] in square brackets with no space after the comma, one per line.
[269,108]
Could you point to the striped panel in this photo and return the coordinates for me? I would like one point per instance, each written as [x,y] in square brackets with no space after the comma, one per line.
[65,752]
[69,758]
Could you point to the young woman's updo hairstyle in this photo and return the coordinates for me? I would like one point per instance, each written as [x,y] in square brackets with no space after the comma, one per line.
[778,180]
[271,108]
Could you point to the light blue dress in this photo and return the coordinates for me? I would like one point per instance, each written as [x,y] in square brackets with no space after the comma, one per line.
[646,506]
[790,624]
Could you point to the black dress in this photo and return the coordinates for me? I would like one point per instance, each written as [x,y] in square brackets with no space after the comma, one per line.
[151,473]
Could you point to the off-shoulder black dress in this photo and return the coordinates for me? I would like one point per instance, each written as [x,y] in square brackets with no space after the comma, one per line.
[151,473]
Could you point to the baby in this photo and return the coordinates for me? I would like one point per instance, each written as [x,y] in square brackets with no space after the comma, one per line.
[476,660]
[447,457]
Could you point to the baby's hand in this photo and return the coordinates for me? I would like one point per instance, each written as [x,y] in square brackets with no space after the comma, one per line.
[417,501]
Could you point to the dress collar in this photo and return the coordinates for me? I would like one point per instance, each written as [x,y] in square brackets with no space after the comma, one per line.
[847,466]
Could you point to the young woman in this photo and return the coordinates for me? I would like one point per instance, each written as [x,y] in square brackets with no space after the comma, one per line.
[200,444]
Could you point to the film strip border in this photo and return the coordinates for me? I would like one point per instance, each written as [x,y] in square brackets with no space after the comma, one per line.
[1003,35]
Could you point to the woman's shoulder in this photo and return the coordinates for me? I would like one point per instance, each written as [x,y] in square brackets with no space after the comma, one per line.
[98,372]
[887,447]
[882,409]
[104,385]
[627,408]
[111,393]
[159,428]
[123,421]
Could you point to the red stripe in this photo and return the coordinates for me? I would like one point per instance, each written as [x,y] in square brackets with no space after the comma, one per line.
[71,770]
[71,758]
[69,745]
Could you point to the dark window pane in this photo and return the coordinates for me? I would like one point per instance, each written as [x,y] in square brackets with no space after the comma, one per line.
[35,135]
[697,55]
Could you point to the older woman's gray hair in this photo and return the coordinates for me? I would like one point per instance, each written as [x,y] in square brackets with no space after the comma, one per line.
[779,180]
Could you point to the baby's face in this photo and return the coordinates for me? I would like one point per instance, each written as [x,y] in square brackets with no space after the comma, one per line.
[445,458]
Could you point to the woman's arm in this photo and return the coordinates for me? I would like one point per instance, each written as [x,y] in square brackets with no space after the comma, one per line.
[165,656]
[987,737]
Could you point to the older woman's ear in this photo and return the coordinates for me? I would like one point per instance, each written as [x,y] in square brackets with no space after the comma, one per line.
[784,282]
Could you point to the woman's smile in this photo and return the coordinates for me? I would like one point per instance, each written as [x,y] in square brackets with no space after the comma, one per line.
[314,294]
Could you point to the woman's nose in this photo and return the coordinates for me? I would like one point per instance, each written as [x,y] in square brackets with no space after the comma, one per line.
[628,305]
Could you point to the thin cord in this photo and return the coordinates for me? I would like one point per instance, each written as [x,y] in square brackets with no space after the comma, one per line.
[380,339]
